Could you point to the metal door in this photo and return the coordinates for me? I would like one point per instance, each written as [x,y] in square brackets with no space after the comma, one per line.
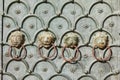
[60,39]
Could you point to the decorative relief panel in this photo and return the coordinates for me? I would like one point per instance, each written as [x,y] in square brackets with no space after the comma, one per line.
[60,40]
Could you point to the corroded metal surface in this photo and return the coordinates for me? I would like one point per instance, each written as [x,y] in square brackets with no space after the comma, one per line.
[60,40]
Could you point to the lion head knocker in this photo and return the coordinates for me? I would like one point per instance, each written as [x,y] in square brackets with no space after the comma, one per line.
[16,39]
[71,40]
[100,40]
[46,39]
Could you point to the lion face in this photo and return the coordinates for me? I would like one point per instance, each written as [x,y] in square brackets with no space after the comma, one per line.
[71,40]
[46,39]
[16,39]
[101,40]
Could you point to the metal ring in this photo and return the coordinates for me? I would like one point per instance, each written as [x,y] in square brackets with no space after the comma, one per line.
[102,59]
[55,51]
[17,57]
[74,58]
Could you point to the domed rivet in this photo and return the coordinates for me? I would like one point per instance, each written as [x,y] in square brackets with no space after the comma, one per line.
[31,26]
[45,12]
[111,24]
[30,56]
[86,26]
[60,27]
[72,70]
[73,12]
[59,57]
[17,11]
[45,70]
[16,68]
[8,25]
[85,56]
[100,11]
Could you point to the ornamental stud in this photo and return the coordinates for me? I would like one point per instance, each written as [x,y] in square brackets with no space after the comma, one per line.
[16,39]
[100,40]
[71,40]
[46,39]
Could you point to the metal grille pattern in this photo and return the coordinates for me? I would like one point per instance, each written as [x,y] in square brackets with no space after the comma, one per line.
[55,40]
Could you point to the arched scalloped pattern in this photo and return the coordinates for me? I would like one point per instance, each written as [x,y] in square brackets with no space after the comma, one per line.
[85,18]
